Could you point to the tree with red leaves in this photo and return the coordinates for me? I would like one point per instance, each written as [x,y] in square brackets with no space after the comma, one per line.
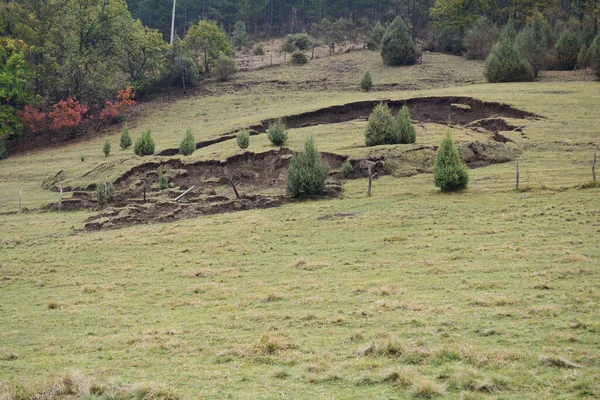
[67,116]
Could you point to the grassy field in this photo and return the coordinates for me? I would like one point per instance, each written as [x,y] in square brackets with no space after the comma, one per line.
[489,293]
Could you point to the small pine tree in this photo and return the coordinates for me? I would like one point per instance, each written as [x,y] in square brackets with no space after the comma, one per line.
[398,46]
[163,182]
[595,55]
[567,50]
[380,127]
[276,133]
[307,174]
[125,140]
[404,130]
[504,64]
[240,35]
[299,58]
[188,144]
[3,150]
[243,140]
[480,39]
[535,44]
[144,145]
[366,83]
[258,50]
[106,148]
[449,172]
[375,36]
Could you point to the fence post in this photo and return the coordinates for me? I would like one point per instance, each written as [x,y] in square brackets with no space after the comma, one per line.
[20,198]
[370,180]
[518,159]
[594,168]
[60,198]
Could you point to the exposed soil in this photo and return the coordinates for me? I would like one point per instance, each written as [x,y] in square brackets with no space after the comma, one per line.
[442,110]
[258,180]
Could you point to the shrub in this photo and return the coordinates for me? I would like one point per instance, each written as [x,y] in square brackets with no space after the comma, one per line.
[307,174]
[534,44]
[188,144]
[504,64]
[276,133]
[449,172]
[380,127]
[125,140]
[480,39]
[404,131]
[144,145]
[366,83]
[240,35]
[346,169]
[567,50]
[299,58]
[224,67]
[444,39]
[243,140]
[397,46]
[106,148]
[297,41]
[3,150]
[375,36]
[595,55]
[258,50]
[163,182]
[105,193]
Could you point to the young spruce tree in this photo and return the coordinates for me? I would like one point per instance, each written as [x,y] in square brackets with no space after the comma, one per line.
[144,145]
[307,174]
[449,172]
[125,140]
[188,144]
[106,148]
[381,126]
[366,83]
[404,130]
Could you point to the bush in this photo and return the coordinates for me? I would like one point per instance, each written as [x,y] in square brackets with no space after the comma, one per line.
[3,150]
[404,130]
[125,140]
[449,172]
[380,128]
[447,40]
[105,193]
[188,144]
[504,64]
[299,58]
[258,50]
[144,145]
[480,39]
[276,133]
[567,50]
[106,148]
[297,41]
[595,55]
[163,182]
[224,67]
[366,83]
[243,140]
[346,169]
[240,35]
[375,36]
[397,46]
[535,45]
[307,174]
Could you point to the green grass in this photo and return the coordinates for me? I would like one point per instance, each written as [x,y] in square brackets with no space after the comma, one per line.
[482,294]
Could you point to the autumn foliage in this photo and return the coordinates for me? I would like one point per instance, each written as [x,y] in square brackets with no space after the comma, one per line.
[67,114]
[32,119]
[121,106]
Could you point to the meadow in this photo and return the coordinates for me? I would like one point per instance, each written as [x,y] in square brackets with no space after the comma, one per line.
[486,293]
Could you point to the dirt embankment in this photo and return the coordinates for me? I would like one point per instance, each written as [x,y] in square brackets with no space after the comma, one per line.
[441,110]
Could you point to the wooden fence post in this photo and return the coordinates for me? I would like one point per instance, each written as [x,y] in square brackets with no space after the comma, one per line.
[594,168]
[518,159]
[20,198]
[370,180]
[60,198]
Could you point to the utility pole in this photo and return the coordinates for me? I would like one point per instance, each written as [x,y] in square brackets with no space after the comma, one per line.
[173,23]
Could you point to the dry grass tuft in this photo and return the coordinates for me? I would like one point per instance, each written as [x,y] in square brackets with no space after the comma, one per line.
[272,297]
[426,389]
[398,377]
[271,343]
[200,273]
[306,266]
[560,362]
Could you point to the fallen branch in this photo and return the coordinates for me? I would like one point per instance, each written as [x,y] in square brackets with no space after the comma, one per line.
[182,195]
